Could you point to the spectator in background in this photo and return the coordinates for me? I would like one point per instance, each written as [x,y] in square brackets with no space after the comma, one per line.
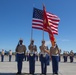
[10,55]
[65,55]
[71,54]
[2,55]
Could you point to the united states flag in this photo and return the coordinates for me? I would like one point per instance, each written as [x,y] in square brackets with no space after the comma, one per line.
[37,21]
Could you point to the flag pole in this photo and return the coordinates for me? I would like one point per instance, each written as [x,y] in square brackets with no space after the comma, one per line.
[31,33]
[32,30]
[43,35]
[43,28]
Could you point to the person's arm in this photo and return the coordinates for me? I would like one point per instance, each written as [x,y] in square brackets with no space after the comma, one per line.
[24,49]
[51,51]
[16,50]
[58,49]
[35,48]
[47,51]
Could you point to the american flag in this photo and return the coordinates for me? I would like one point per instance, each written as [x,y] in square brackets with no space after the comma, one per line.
[37,21]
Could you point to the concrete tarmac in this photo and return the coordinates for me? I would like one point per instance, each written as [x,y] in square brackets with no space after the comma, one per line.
[10,68]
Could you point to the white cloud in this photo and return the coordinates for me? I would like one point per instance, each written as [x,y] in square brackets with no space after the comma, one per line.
[65,40]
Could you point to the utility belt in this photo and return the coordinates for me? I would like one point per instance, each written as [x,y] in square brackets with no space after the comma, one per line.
[55,54]
[20,52]
[43,54]
[31,53]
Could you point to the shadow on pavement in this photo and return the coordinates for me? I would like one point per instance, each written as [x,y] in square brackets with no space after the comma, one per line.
[7,73]
[23,74]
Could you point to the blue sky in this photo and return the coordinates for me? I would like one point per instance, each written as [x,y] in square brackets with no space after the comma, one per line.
[16,22]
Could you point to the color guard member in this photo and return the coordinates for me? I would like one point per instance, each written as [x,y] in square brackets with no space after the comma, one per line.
[43,58]
[54,53]
[32,49]
[20,53]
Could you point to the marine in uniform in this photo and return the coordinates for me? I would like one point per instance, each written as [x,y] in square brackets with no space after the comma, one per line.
[54,53]
[10,55]
[2,55]
[43,58]
[71,54]
[32,56]
[20,54]
[65,55]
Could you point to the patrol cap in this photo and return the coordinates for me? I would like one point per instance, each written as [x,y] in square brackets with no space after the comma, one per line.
[20,40]
[43,41]
[32,40]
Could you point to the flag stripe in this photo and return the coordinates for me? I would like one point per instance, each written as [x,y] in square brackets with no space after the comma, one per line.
[55,20]
[52,15]
[53,25]
[37,20]
[53,31]
[37,25]
[39,28]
